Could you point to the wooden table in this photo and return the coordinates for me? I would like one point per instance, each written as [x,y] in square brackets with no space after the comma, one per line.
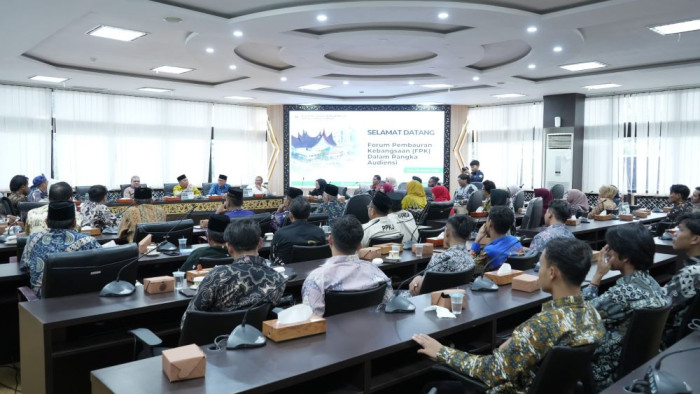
[204,207]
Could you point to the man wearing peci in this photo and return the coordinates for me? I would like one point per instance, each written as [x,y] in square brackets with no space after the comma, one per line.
[36,218]
[143,211]
[220,187]
[217,246]
[233,206]
[185,186]
[331,205]
[300,232]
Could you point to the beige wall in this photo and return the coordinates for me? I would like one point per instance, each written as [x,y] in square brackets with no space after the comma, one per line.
[275,117]
[457,119]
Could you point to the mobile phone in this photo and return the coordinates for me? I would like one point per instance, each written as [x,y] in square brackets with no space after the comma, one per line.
[187,292]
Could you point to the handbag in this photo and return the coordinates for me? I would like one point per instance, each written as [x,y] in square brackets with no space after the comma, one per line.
[442,298]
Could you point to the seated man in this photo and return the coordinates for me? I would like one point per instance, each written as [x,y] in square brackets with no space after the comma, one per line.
[36,218]
[299,232]
[135,184]
[695,199]
[331,206]
[143,211]
[19,189]
[345,270]
[220,187]
[404,220]
[280,218]
[39,190]
[184,186]
[680,205]
[95,211]
[258,187]
[217,246]
[486,188]
[242,283]
[685,284]
[380,225]
[465,189]
[233,206]
[433,181]
[57,237]
[630,250]
[554,219]
[567,320]
[501,244]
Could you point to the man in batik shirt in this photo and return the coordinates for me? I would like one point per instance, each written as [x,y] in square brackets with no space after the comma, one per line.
[567,320]
[331,205]
[95,211]
[19,189]
[678,197]
[143,211]
[555,220]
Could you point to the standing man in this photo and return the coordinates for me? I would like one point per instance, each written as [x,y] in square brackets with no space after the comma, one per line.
[279,218]
[135,184]
[477,175]
[143,211]
[19,189]
[184,186]
[678,197]
[220,188]
[331,206]
[300,232]
[376,181]
[233,206]
[36,218]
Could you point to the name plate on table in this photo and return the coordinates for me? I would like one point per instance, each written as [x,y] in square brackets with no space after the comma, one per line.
[284,332]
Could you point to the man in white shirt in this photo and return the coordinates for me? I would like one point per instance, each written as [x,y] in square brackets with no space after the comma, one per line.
[258,187]
[404,219]
[135,184]
[380,225]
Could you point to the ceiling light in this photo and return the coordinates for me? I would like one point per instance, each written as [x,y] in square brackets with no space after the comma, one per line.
[283,79]
[411,82]
[443,15]
[155,90]
[172,19]
[238,33]
[532,29]
[314,86]
[676,28]
[210,50]
[321,18]
[438,86]
[232,67]
[557,49]
[171,70]
[602,86]
[116,33]
[475,78]
[42,78]
[583,66]
[238,98]
[531,66]
[346,82]
[508,95]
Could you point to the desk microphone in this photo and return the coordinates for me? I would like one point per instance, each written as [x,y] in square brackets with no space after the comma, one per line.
[657,381]
[400,304]
[481,283]
[121,288]
[166,246]
[246,336]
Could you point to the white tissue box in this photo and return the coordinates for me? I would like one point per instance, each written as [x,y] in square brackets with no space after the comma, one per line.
[284,332]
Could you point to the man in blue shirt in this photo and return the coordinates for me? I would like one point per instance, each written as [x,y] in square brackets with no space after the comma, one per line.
[233,206]
[495,253]
[476,175]
[221,187]
[555,220]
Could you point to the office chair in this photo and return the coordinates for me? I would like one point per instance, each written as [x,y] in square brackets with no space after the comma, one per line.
[428,193]
[560,371]
[349,300]
[692,313]
[434,281]
[263,220]
[401,186]
[475,201]
[522,263]
[424,234]
[394,239]
[211,262]
[206,186]
[558,191]
[642,339]
[519,200]
[357,206]
[168,188]
[306,253]
[533,214]
[21,244]
[479,185]
[318,219]
[81,193]
[435,211]
[124,186]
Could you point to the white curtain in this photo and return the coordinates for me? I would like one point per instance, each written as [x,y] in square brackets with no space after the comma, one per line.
[25,132]
[507,141]
[239,147]
[643,143]
[105,139]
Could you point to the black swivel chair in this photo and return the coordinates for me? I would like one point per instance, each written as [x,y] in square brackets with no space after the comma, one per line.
[423,235]
[25,207]
[263,219]
[175,230]
[318,219]
[349,300]
[434,281]
[81,191]
[560,371]
[395,239]
[519,200]
[475,201]
[428,193]
[659,228]
[643,337]
[306,253]
[533,214]
[21,243]
[168,188]
[206,186]
[401,186]
[558,191]
[357,206]
[124,186]
[435,211]
[522,262]
[211,262]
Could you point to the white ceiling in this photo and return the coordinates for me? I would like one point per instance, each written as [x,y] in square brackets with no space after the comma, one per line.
[376,46]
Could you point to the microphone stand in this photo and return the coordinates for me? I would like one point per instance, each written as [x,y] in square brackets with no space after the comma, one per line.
[400,304]
[121,288]
[168,247]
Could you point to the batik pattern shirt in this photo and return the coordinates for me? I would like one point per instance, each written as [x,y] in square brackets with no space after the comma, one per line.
[568,321]
[681,290]
[341,273]
[455,259]
[36,220]
[97,215]
[463,193]
[554,231]
[279,219]
[145,213]
[40,244]
[16,198]
[240,284]
[679,210]
[631,292]
[37,195]
[334,209]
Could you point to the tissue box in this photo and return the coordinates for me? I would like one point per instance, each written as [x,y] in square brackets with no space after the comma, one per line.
[171,198]
[642,213]
[285,332]
[522,211]
[427,249]
[125,200]
[526,282]
[370,253]
[143,244]
[184,362]
[479,214]
[197,273]
[386,248]
[596,256]
[92,231]
[442,298]
[602,217]
[159,284]
[436,241]
[573,222]
[502,279]
[626,217]
[215,197]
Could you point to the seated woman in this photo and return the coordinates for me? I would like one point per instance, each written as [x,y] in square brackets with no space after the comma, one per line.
[415,197]
[606,193]
[578,203]
[629,249]
[386,188]
[456,258]
[440,193]
[320,188]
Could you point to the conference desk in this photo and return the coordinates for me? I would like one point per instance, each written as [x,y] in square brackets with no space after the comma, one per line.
[683,366]
[203,207]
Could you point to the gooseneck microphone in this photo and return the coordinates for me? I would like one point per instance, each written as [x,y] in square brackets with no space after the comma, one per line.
[121,288]
[401,304]
[169,247]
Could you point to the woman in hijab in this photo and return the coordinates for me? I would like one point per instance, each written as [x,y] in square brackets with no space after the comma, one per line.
[386,188]
[415,196]
[546,199]
[320,187]
[606,194]
[578,203]
[440,193]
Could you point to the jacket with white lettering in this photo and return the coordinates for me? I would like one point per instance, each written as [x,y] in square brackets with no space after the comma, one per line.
[381,227]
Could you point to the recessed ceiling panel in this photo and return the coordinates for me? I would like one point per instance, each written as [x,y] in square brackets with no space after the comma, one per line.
[501,53]
[380,76]
[438,28]
[379,56]
[263,55]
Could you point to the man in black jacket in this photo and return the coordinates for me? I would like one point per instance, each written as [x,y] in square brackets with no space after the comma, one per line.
[300,232]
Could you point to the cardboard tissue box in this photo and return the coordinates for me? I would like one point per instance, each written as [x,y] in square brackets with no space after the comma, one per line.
[573,222]
[184,363]
[196,274]
[92,231]
[386,248]
[143,244]
[602,217]
[370,253]
[437,242]
[642,213]
[503,275]
[525,282]
[285,332]
[159,284]
[626,217]
[596,256]
[427,249]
